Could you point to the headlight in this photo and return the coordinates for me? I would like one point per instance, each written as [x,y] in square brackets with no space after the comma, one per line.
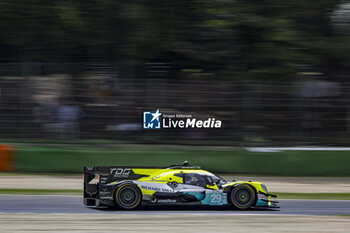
[264,188]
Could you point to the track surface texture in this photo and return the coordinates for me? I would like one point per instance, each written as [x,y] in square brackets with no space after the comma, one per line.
[73,204]
[86,223]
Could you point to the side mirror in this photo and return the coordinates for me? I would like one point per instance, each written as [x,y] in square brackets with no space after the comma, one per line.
[218,184]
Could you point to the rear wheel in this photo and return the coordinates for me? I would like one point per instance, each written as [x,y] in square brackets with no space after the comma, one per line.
[127,196]
[242,196]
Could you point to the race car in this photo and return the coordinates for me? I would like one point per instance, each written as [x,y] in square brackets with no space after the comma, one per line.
[128,187]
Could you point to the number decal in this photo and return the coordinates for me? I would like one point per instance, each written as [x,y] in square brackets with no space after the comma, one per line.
[216,199]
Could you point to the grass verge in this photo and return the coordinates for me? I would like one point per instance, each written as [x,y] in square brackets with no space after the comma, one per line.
[219,160]
[319,196]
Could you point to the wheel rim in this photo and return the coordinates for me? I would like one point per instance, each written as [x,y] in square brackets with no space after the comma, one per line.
[128,197]
[243,197]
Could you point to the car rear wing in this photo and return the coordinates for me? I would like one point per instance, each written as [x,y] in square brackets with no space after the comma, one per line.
[95,176]
[108,174]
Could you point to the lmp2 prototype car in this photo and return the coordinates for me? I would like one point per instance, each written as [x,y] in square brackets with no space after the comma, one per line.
[127,187]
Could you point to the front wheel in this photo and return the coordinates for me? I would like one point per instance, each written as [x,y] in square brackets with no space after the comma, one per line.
[127,196]
[242,197]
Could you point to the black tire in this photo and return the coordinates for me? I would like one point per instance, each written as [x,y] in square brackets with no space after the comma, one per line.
[127,197]
[242,197]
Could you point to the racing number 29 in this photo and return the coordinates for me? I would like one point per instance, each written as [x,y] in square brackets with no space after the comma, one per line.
[218,198]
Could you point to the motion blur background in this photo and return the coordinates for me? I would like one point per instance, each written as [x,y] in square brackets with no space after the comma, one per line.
[75,77]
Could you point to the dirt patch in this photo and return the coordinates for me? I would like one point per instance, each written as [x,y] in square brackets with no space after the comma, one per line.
[41,182]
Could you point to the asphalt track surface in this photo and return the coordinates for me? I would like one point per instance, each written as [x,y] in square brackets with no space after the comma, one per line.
[73,204]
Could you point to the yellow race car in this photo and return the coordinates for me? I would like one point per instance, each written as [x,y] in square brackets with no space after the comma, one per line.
[128,187]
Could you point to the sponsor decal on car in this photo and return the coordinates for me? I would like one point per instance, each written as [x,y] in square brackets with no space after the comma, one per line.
[120,172]
[166,201]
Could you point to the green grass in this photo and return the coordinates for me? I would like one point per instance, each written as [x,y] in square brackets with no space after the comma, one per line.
[321,196]
[40,174]
[41,191]
[55,141]
[219,160]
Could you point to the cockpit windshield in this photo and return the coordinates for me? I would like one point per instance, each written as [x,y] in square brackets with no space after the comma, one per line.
[216,179]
